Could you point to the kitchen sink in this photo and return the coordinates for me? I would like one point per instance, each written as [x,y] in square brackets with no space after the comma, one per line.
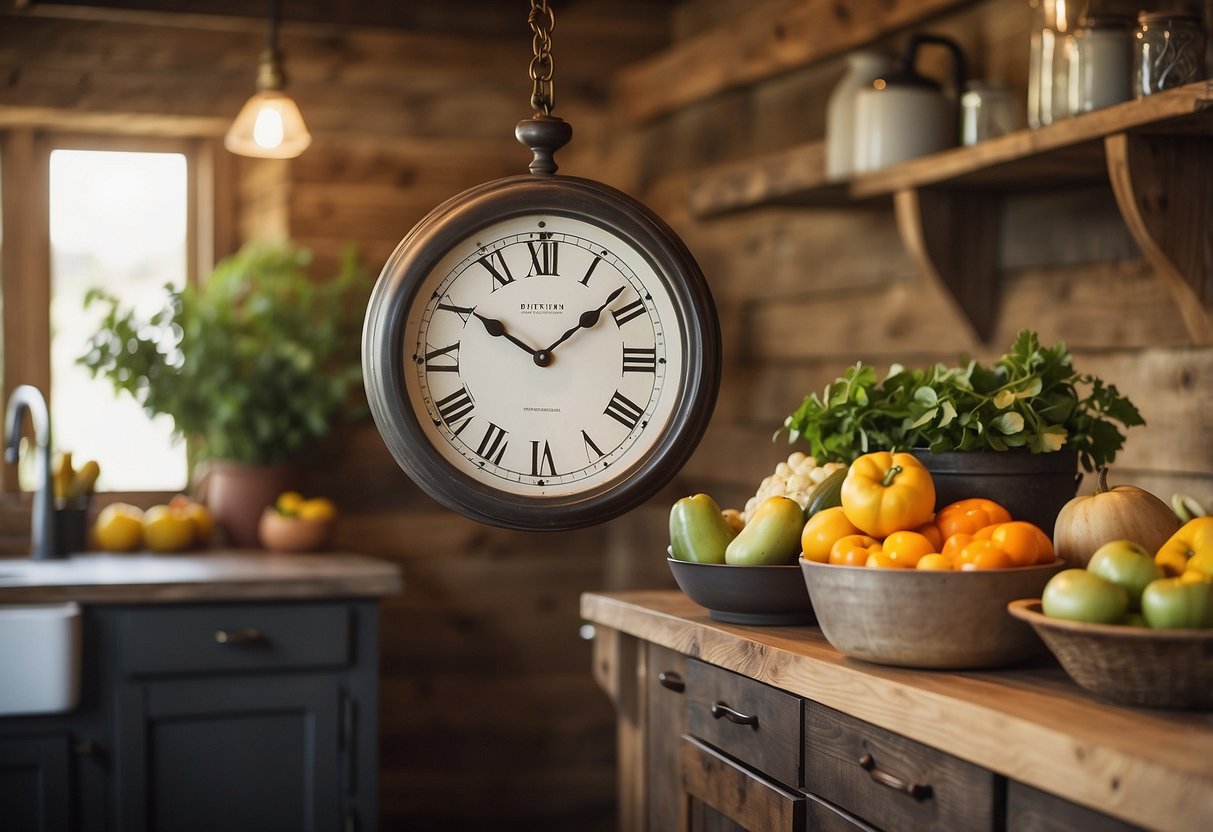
[39,658]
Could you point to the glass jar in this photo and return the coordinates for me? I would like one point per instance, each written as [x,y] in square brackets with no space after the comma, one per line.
[1052,89]
[1105,52]
[1169,51]
[985,112]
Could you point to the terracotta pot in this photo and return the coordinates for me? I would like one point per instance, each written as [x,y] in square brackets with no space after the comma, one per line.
[236,493]
[1033,487]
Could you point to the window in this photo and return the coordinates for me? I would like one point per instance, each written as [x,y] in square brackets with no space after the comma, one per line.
[118,221]
[120,214]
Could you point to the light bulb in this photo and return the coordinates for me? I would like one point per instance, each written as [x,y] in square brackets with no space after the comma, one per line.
[268,130]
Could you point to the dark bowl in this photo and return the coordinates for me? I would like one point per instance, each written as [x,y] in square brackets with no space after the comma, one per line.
[764,595]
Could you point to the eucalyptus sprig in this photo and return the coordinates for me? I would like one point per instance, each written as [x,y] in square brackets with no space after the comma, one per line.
[1030,398]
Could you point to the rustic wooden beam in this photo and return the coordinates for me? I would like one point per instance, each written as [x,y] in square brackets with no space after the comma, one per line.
[764,41]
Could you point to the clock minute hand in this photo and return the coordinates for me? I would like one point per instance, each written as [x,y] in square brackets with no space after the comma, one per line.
[587,319]
[496,329]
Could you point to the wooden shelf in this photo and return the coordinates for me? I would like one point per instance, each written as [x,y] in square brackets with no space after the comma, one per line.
[1157,154]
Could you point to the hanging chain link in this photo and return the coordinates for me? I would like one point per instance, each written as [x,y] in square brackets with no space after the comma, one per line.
[543,90]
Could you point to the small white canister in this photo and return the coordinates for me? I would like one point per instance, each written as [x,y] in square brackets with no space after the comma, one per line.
[1105,63]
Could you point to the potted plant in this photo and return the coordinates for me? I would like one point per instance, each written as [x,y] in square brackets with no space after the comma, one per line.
[1015,431]
[253,366]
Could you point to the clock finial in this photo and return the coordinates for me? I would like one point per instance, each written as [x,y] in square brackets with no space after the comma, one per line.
[544,135]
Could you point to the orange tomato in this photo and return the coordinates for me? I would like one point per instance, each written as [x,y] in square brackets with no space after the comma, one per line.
[931,532]
[905,548]
[969,516]
[853,550]
[822,530]
[1024,542]
[984,554]
[882,560]
[935,562]
[952,546]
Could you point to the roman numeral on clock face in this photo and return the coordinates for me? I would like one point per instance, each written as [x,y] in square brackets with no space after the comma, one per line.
[456,406]
[541,461]
[590,446]
[624,411]
[492,445]
[445,359]
[543,257]
[496,266]
[626,313]
[585,281]
[639,359]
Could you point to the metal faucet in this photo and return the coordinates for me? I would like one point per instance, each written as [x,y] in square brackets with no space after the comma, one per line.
[26,398]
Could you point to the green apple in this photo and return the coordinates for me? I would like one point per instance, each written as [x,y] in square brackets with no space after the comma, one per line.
[1172,603]
[1079,595]
[1126,564]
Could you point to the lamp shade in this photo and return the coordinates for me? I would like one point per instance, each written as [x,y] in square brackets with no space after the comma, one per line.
[269,126]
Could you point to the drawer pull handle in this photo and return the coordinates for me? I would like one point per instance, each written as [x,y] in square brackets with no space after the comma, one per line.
[918,791]
[719,709]
[672,681]
[239,635]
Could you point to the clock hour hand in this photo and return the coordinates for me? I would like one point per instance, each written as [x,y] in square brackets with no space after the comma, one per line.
[496,329]
[587,320]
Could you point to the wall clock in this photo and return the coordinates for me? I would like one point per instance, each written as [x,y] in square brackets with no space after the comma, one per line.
[541,351]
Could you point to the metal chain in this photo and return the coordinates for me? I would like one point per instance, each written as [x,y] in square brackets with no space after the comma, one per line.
[543,90]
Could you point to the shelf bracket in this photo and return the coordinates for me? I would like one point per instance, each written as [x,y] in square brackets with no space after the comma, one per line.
[1164,189]
[952,235]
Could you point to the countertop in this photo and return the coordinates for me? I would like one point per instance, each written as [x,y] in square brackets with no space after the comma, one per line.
[1031,723]
[217,575]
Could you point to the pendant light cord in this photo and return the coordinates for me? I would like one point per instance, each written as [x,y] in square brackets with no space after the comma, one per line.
[543,90]
[271,36]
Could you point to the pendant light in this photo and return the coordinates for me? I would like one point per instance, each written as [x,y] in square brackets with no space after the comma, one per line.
[269,125]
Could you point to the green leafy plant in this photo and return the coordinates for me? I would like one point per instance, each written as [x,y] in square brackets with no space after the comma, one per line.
[252,365]
[1030,398]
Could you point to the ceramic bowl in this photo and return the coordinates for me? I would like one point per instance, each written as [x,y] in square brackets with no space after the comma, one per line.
[764,595]
[280,533]
[1129,665]
[923,618]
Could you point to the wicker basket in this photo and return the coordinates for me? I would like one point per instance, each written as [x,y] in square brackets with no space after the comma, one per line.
[1129,665]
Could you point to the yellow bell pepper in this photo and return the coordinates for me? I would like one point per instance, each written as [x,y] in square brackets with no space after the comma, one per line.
[1194,538]
[886,492]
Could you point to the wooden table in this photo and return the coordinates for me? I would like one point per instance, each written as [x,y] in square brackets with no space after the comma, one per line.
[1032,724]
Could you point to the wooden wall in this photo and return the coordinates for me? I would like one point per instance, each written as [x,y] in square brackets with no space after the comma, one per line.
[490,718]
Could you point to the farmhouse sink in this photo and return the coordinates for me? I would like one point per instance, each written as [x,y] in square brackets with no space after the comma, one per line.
[39,657]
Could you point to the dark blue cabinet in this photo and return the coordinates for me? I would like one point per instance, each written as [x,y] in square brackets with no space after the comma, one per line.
[237,717]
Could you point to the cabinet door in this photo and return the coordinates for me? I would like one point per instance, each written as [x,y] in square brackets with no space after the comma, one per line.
[236,754]
[720,795]
[665,703]
[35,784]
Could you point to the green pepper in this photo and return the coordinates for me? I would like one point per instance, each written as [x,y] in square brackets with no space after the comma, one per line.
[698,531]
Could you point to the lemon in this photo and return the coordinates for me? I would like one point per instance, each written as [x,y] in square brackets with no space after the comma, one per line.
[288,503]
[317,508]
[167,529]
[119,527]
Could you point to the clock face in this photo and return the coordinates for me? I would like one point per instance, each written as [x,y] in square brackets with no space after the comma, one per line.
[543,355]
[541,352]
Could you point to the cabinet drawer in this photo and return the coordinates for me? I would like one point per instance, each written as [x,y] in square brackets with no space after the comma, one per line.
[892,782]
[753,722]
[233,637]
[1031,810]
[734,793]
[665,708]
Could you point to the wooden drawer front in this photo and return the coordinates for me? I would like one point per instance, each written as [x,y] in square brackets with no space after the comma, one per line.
[756,723]
[872,772]
[1031,810]
[825,817]
[665,703]
[736,793]
[234,637]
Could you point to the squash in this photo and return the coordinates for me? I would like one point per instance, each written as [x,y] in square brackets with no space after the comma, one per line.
[1124,512]
[826,494]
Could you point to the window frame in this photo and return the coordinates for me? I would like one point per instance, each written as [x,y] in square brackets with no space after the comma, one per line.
[25,253]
